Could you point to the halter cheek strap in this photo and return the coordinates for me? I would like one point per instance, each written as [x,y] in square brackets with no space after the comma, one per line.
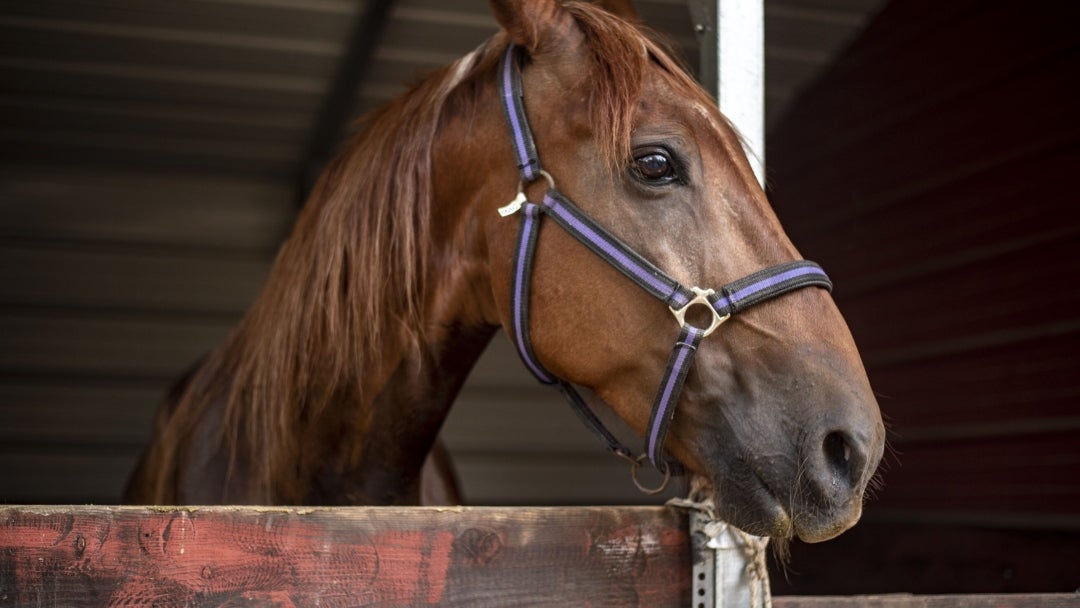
[723,303]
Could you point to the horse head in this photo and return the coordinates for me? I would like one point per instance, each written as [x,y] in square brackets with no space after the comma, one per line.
[776,410]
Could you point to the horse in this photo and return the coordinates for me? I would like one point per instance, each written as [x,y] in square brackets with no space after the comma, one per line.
[408,258]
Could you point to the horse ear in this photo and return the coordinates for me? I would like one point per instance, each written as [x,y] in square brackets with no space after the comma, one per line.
[535,24]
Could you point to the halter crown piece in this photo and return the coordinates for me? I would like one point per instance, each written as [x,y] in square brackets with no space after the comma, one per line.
[723,303]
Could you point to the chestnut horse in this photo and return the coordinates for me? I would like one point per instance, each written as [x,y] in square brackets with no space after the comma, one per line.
[399,271]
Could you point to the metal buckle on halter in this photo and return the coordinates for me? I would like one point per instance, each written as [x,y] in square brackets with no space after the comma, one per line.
[701,296]
[519,201]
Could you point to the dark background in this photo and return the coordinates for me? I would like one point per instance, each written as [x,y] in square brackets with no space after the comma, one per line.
[932,171]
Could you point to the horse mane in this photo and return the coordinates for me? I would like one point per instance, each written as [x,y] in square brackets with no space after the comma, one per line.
[349,281]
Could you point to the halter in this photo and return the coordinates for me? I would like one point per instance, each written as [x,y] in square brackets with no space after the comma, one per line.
[723,303]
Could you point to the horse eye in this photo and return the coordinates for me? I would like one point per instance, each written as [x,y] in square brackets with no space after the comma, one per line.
[654,167]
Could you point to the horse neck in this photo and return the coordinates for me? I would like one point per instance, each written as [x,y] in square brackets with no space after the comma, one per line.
[369,445]
[405,417]
[412,397]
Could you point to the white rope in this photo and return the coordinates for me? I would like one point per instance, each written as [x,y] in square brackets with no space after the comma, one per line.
[753,547]
[757,568]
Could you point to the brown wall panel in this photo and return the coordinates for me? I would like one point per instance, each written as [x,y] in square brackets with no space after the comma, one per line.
[1026,473]
[1028,379]
[931,172]
[1008,292]
[988,212]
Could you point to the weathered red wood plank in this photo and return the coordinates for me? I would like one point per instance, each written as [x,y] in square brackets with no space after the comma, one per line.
[1043,600]
[214,556]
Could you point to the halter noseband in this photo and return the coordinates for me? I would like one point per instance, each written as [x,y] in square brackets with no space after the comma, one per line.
[723,303]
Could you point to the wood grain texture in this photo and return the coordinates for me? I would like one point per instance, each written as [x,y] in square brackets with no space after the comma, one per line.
[231,556]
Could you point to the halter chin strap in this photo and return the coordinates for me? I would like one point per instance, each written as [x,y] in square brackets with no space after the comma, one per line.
[723,303]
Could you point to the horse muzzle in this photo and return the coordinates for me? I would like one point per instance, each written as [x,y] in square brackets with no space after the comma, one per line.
[801,475]
[831,483]
[820,494]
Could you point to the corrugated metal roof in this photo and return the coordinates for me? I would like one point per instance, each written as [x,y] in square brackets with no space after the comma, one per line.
[236,85]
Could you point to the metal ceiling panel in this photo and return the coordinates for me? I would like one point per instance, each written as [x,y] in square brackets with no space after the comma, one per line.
[236,85]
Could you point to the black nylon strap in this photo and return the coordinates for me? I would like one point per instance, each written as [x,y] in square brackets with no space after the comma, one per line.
[767,284]
[667,395]
[521,290]
[614,251]
[513,101]
[592,422]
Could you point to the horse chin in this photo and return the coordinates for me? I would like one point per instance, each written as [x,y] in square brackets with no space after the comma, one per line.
[754,510]
[757,511]
[821,531]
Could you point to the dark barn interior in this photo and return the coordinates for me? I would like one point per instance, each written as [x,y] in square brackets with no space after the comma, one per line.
[929,170]
[155,151]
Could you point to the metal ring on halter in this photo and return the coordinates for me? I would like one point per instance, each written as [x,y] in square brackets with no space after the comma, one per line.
[519,201]
[636,464]
[701,296]
[545,175]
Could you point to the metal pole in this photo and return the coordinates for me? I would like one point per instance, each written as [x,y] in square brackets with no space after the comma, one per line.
[731,34]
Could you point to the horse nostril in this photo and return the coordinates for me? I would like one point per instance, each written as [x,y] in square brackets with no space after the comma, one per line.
[838,455]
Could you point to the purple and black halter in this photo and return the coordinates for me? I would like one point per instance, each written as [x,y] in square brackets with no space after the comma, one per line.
[730,299]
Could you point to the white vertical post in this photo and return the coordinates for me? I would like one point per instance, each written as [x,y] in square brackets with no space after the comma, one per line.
[731,34]
[732,38]
[729,566]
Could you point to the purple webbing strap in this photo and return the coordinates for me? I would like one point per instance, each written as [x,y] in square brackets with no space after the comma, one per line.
[520,285]
[663,409]
[615,252]
[767,284]
[513,98]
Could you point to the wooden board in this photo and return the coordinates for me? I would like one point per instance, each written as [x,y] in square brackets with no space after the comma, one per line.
[94,556]
[267,556]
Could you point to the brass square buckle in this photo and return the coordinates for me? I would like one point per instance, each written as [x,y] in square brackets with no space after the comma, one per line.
[701,296]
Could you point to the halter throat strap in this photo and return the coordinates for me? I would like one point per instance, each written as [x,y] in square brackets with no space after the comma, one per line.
[723,303]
